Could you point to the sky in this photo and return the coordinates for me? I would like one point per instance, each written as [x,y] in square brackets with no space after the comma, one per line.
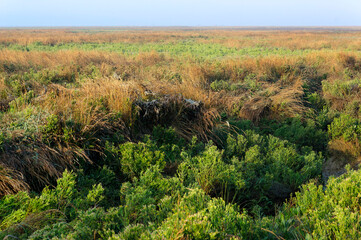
[32,13]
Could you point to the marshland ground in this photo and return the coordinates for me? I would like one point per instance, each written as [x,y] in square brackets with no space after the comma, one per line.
[180,133]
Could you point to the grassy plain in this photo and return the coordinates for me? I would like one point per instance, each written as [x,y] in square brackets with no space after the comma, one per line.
[210,133]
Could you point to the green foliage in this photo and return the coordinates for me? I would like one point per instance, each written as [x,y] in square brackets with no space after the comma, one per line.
[303,134]
[187,47]
[341,88]
[197,216]
[154,206]
[168,142]
[131,159]
[210,172]
[96,223]
[333,213]
[345,127]
[2,140]
[316,100]
[54,131]
[24,82]
[267,160]
[250,83]
[25,123]
[69,212]
[25,208]
[51,127]
[96,194]
[22,100]
[150,198]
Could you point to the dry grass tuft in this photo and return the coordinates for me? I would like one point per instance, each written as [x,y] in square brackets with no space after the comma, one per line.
[256,108]
[274,103]
[37,164]
[91,103]
[348,61]
[11,181]
[188,117]
[348,150]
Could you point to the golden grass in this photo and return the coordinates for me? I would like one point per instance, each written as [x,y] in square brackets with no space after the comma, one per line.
[40,60]
[241,38]
[200,73]
[154,71]
[89,103]
[274,102]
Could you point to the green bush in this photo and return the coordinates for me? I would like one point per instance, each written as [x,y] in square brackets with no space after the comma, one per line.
[264,161]
[29,211]
[169,143]
[220,85]
[304,134]
[150,198]
[341,88]
[197,216]
[131,159]
[316,101]
[345,127]
[210,172]
[156,206]
[315,213]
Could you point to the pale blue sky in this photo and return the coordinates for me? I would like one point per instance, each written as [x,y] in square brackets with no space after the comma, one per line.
[16,13]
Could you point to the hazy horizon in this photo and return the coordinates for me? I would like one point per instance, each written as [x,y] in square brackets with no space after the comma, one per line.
[142,13]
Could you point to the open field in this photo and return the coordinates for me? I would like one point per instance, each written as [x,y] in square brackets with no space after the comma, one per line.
[180,133]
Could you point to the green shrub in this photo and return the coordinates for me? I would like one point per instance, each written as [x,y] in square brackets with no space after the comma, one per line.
[266,160]
[131,159]
[104,177]
[169,143]
[57,199]
[51,231]
[198,217]
[220,85]
[2,140]
[316,101]
[24,124]
[307,133]
[151,197]
[132,232]
[341,88]
[210,172]
[333,213]
[96,223]
[345,127]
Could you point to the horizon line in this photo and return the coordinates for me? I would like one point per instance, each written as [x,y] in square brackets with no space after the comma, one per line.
[187,26]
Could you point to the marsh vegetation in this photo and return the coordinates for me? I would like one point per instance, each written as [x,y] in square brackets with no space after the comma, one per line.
[180,134]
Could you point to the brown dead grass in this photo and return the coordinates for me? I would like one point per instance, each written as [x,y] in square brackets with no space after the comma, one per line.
[36,165]
[89,104]
[274,103]
[343,153]
[38,60]
[11,181]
